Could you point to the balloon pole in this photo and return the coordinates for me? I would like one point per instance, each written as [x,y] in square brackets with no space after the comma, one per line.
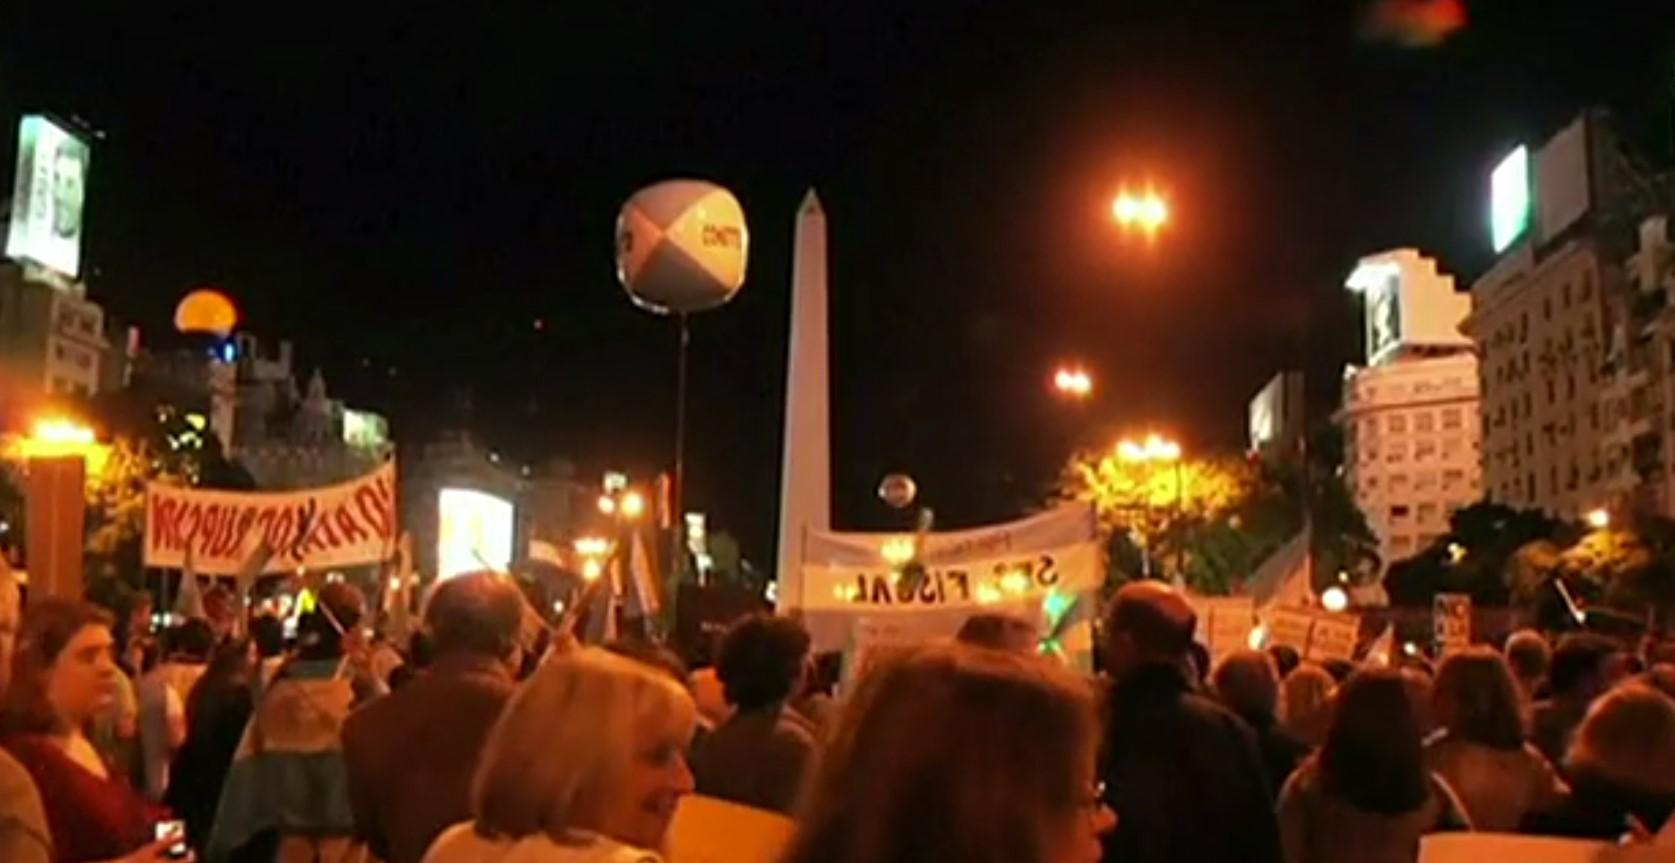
[677,518]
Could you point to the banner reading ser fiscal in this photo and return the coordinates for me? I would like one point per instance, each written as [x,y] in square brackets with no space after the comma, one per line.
[340,525]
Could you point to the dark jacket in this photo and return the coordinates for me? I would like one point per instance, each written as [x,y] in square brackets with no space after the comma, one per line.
[1281,753]
[411,754]
[1599,808]
[758,758]
[1184,776]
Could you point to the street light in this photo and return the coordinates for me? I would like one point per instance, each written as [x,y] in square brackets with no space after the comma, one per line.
[1156,449]
[1334,599]
[1599,519]
[1144,211]
[1073,382]
[633,504]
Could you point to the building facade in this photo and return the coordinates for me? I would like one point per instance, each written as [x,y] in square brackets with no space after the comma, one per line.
[1568,329]
[53,339]
[1410,416]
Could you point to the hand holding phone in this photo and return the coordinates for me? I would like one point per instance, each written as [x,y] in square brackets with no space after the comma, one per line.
[173,829]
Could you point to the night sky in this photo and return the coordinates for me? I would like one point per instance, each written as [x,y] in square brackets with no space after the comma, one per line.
[404,190]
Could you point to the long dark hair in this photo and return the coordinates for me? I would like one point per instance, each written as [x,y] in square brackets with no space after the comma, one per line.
[1373,757]
[1477,701]
[48,626]
[999,741]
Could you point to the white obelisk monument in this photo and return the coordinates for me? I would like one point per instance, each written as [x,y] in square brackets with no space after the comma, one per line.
[805,495]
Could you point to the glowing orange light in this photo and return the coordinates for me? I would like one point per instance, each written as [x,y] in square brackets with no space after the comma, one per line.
[1145,211]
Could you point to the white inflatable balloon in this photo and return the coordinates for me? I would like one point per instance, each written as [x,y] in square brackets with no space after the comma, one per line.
[681,246]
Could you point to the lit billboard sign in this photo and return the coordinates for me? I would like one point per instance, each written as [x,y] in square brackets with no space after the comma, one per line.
[47,200]
[365,429]
[1509,199]
[474,532]
[1380,285]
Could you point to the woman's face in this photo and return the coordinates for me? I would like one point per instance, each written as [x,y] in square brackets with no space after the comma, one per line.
[1091,820]
[79,683]
[657,778]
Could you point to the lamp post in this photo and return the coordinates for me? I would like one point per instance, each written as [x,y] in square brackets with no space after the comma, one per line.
[1156,449]
[1145,211]
[56,456]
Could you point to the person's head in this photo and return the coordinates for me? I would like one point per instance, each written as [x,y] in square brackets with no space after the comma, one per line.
[63,668]
[1000,631]
[1147,621]
[479,613]
[231,661]
[762,660]
[1420,686]
[591,742]
[191,641]
[330,628]
[1285,658]
[1527,654]
[1245,681]
[1661,677]
[1627,739]
[1372,757]
[1476,700]
[268,633]
[11,617]
[1577,671]
[1004,744]
[69,185]
[1340,669]
[1305,702]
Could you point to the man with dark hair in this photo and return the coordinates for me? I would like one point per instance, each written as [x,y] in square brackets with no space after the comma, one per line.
[760,756]
[1575,677]
[410,754]
[1184,772]
[1000,631]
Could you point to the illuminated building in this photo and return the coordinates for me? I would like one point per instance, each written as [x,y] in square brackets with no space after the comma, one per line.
[1410,417]
[1573,354]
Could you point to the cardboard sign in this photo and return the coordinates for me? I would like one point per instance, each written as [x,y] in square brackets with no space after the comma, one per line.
[1224,623]
[707,830]
[1316,635]
[1451,622]
[340,525]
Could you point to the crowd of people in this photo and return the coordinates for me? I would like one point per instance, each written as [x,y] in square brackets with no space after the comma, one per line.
[334,747]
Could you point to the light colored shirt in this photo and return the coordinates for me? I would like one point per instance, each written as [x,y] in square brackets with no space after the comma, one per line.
[162,719]
[24,835]
[462,844]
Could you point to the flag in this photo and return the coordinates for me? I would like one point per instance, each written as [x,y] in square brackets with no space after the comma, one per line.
[541,551]
[1383,648]
[601,614]
[645,594]
[189,602]
[1285,579]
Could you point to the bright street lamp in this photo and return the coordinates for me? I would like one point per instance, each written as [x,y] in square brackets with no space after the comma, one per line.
[1334,599]
[1153,448]
[1599,519]
[1073,382]
[633,504]
[1145,211]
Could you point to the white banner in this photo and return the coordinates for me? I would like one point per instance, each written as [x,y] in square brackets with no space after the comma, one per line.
[1019,561]
[1316,635]
[1224,623]
[340,525]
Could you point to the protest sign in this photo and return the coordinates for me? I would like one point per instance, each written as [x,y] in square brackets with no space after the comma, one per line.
[1451,622]
[340,525]
[707,830]
[1224,623]
[1316,635]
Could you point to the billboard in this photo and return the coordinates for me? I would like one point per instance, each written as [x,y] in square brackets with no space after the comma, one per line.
[474,532]
[1383,313]
[1276,415]
[365,429]
[1509,199]
[51,187]
[1561,179]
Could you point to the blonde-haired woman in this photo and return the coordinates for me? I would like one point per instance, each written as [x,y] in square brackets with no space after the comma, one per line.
[1306,703]
[585,766]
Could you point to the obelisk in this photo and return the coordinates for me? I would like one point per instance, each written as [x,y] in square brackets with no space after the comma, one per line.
[805,495]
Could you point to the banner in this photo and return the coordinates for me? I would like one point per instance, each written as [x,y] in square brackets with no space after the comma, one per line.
[341,525]
[1316,635]
[964,570]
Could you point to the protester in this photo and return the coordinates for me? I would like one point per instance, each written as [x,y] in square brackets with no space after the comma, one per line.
[286,793]
[1575,678]
[24,835]
[1000,631]
[1418,682]
[1175,762]
[1198,659]
[1481,751]
[1285,659]
[217,710]
[1621,767]
[162,700]
[1366,795]
[60,681]
[1528,654]
[762,754]
[411,754]
[1306,703]
[267,632]
[948,754]
[584,766]
[1246,683]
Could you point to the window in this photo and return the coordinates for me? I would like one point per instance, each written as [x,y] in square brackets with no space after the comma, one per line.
[1553,478]
[1587,284]
[1593,417]
[1400,512]
[1397,424]
[1398,483]
[1424,421]
[1453,480]
[1546,308]
[1567,295]
[1396,454]
[1401,544]
[1424,450]
[1569,385]
[1552,392]
[1450,448]
[1523,328]
[1529,449]
[1369,428]
[1450,419]
[1427,513]
[1425,481]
